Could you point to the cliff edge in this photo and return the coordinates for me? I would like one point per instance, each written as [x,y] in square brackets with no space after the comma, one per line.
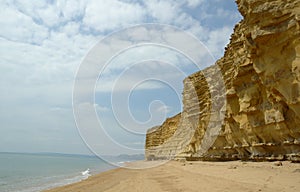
[259,118]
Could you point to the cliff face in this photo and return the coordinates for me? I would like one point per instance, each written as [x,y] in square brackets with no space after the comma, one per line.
[260,117]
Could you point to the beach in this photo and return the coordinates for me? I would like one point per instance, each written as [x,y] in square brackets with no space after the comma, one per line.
[194,176]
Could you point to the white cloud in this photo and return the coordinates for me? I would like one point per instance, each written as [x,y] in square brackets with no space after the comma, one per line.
[16,26]
[173,13]
[55,109]
[71,29]
[145,75]
[101,108]
[53,13]
[219,39]
[109,15]
[43,42]
[145,54]
[72,9]
[124,85]
[164,109]
[50,15]
[138,143]
[163,11]
[194,3]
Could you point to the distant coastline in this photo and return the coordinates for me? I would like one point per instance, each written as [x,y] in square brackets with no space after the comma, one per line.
[123,156]
[48,153]
[34,172]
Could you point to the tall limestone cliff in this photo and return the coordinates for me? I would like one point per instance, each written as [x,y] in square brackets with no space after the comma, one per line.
[255,113]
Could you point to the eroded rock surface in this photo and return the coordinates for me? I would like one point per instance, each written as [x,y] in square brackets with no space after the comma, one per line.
[260,117]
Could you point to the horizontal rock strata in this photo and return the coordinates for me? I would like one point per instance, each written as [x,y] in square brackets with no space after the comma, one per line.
[259,118]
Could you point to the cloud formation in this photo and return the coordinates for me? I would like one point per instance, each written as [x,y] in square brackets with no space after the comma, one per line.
[42,43]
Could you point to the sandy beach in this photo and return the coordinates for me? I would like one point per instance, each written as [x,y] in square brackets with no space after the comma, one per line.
[195,176]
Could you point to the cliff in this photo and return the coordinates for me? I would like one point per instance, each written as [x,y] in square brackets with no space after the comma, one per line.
[251,110]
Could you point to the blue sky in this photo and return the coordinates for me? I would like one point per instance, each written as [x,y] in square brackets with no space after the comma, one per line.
[42,44]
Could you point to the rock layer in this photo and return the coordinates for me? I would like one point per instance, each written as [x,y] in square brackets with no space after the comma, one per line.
[261,75]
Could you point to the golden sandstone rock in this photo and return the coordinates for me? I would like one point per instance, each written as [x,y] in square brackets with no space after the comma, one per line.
[261,73]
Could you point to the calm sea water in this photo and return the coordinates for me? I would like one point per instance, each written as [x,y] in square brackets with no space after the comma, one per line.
[37,172]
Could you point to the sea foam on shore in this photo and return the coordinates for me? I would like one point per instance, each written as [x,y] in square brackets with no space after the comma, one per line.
[37,172]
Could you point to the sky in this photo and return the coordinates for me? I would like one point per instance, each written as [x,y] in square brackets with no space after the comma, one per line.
[44,43]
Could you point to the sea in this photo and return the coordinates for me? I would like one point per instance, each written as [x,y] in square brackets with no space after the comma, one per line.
[22,172]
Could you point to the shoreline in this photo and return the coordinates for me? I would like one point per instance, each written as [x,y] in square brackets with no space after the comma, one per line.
[194,176]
